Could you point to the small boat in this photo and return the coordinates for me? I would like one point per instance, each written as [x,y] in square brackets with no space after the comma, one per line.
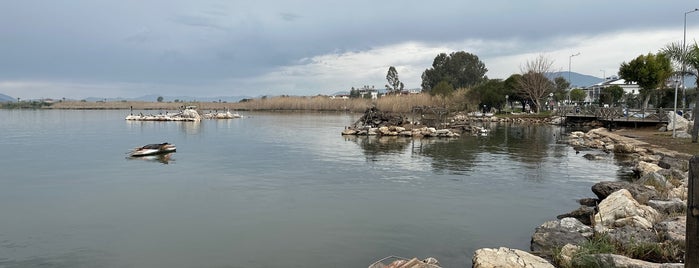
[160,158]
[153,149]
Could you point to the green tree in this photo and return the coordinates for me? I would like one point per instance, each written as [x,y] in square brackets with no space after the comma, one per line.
[611,94]
[511,89]
[354,93]
[443,89]
[577,95]
[160,98]
[394,84]
[561,86]
[490,93]
[459,69]
[649,71]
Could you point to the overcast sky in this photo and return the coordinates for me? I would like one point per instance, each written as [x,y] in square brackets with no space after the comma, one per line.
[207,48]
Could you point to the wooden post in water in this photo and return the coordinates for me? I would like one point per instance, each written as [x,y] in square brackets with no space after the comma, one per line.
[692,238]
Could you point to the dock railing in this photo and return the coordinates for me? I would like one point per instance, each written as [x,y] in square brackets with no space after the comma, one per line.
[614,113]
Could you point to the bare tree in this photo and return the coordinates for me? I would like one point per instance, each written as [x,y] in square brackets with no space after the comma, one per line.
[534,83]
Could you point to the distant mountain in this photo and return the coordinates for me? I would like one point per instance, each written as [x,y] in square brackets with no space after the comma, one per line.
[5,98]
[583,80]
[577,79]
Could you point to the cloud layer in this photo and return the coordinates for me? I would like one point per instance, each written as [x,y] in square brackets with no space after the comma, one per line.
[128,48]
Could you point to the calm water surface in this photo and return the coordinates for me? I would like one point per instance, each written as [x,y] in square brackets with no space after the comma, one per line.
[272,190]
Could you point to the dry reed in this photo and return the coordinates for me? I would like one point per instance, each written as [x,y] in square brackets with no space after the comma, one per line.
[391,103]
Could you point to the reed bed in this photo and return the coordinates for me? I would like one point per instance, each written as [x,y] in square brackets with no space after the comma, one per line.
[391,103]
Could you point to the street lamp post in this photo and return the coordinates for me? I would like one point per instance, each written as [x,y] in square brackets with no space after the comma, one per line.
[674,114]
[684,53]
[569,60]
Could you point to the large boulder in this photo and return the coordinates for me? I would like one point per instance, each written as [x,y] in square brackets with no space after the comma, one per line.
[506,257]
[629,236]
[654,179]
[677,122]
[554,234]
[625,148]
[672,162]
[674,205]
[621,209]
[639,192]
[643,168]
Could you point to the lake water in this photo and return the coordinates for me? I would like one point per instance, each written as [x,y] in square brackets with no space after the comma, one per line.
[272,190]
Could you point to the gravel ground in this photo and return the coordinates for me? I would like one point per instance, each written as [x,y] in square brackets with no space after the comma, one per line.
[665,140]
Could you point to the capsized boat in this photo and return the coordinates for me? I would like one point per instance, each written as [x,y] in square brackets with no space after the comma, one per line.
[153,149]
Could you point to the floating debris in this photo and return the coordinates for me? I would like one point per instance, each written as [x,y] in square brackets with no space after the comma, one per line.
[400,262]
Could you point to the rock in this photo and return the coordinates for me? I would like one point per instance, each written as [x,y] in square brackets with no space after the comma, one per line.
[557,120]
[671,162]
[554,234]
[383,130]
[411,263]
[620,209]
[674,205]
[655,180]
[678,192]
[644,168]
[673,230]
[629,236]
[674,174]
[683,135]
[611,260]
[577,134]
[650,158]
[505,257]
[639,192]
[584,214]
[349,131]
[680,123]
[567,253]
[590,202]
[624,148]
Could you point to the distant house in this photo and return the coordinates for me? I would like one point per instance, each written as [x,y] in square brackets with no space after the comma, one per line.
[340,96]
[593,91]
[366,90]
[410,91]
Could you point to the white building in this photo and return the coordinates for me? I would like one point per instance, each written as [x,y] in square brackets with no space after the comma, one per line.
[593,91]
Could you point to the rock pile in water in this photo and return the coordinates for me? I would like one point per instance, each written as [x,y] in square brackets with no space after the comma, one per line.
[378,123]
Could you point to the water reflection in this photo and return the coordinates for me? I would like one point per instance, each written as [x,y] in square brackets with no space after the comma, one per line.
[527,144]
[161,158]
[188,128]
[374,146]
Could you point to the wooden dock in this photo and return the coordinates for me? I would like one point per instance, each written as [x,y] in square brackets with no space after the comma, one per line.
[613,115]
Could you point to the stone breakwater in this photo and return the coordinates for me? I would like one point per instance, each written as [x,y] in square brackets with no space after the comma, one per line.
[400,131]
[646,215]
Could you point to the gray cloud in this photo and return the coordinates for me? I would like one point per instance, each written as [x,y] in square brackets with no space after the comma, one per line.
[211,41]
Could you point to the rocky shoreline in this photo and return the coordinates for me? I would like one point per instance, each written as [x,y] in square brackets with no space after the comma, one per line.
[635,223]
[645,217]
